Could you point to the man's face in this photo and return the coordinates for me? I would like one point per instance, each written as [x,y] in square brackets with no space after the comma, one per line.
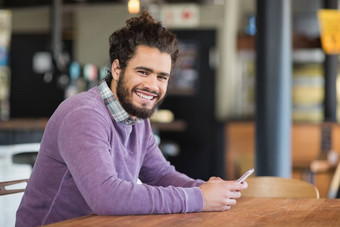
[142,86]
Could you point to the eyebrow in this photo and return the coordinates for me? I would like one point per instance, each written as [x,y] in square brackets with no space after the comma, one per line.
[152,71]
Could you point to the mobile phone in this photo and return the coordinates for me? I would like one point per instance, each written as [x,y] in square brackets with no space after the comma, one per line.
[245,175]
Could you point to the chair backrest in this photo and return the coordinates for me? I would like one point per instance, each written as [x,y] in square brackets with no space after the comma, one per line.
[279,187]
[5,191]
[334,188]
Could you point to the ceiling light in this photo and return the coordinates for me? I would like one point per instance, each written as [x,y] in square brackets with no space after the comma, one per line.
[133,6]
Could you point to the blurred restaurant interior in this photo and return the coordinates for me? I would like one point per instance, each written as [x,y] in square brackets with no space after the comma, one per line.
[214,121]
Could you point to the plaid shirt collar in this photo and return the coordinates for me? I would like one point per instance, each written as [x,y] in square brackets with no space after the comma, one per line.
[113,105]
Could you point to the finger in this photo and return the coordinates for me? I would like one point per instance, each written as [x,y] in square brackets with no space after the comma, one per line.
[245,184]
[234,194]
[214,178]
[235,186]
[240,186]
[231,202]
[227,207]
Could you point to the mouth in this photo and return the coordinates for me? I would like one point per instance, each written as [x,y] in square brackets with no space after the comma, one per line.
[146,95]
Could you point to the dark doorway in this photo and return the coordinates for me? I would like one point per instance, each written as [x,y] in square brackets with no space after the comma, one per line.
[30,95]
[202,143]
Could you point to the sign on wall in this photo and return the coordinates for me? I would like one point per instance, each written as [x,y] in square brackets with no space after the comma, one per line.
[184,15]
[330,30]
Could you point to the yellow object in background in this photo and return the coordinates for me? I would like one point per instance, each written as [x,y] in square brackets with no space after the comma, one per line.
[163,116]
[329,23]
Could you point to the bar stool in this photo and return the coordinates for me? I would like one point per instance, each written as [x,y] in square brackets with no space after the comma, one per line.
[25,153]
[25,158]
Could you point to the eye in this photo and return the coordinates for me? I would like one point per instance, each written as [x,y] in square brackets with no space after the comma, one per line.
[163,78]
[143,73]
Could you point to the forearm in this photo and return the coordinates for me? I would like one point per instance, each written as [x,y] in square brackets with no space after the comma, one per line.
[176,179]
[121,197]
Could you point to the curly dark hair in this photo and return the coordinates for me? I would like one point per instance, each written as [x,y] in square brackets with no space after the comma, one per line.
[142,30]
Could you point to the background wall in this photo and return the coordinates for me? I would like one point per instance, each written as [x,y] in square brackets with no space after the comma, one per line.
[90,27]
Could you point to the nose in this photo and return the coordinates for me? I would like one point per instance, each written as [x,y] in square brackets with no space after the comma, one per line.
[151,82]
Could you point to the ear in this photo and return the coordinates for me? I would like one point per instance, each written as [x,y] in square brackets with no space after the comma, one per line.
[115,69]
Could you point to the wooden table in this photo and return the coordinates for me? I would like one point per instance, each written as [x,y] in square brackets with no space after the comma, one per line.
[247,212]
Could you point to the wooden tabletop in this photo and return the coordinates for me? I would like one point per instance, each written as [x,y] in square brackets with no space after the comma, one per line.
[247,212]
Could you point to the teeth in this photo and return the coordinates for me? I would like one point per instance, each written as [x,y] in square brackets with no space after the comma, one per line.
[144,96]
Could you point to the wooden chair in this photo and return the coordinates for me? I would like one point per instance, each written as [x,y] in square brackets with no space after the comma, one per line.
[334,188]
[4,191]
[279,187]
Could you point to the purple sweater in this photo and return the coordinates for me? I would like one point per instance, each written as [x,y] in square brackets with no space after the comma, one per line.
[89,164]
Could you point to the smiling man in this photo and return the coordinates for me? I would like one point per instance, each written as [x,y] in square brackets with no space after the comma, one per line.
[143,83]
[98,143]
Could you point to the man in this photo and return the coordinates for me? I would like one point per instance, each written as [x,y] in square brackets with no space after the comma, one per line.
[98,143]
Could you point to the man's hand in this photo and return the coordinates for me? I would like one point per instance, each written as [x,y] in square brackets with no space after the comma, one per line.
[220,195]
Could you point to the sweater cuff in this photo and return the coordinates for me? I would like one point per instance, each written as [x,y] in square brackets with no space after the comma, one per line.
[194,201]
[199,182]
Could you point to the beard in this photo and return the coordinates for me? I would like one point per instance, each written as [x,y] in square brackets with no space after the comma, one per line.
[124,97]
